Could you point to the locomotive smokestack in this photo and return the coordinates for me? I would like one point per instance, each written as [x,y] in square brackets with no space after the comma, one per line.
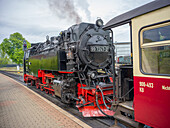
[64,9]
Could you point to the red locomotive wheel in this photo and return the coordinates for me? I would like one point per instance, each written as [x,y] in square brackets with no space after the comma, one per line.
[37,83]
[37,86]
[46,91]
[41,88]
[53,94]
[32,82]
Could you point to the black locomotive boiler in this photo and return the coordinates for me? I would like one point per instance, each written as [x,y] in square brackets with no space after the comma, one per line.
[77,66]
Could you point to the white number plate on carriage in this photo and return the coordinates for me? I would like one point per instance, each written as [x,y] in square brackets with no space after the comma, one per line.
[99,48]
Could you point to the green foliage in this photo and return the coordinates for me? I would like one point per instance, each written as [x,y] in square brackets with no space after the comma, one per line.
[3,58]
[3,61]
[13,47]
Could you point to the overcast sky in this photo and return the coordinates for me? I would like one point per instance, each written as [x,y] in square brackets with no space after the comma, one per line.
[35,19]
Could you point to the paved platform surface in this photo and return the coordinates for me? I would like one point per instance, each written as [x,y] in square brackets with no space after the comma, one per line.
[20,107]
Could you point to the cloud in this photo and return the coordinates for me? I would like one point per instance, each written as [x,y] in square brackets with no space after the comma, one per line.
[121,33]
[83,6]
[34,19]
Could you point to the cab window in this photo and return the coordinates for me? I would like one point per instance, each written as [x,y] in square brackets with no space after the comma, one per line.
[155,49]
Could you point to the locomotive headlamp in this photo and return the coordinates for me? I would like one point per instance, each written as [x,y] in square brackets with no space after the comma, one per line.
[99,22]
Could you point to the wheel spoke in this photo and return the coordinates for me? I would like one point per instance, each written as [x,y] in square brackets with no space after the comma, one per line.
[41,88]
[46,91]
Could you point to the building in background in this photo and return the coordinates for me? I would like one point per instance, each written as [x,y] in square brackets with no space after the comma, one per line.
[122,52]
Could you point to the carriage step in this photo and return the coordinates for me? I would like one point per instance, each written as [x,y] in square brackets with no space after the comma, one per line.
[126,121]
[125,115]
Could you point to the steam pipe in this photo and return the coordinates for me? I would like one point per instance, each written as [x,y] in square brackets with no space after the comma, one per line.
[104,99]
[100,108]
[113,64]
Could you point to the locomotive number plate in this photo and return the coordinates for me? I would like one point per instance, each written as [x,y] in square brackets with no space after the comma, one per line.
[99,48]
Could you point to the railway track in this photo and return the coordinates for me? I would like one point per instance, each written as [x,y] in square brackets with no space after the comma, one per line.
[95,122]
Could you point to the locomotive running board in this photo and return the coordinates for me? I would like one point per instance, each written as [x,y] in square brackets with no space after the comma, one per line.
[91,111]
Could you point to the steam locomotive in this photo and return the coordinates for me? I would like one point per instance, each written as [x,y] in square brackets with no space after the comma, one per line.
[76,66]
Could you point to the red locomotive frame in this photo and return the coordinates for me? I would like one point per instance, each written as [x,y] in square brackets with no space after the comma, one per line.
[87,105]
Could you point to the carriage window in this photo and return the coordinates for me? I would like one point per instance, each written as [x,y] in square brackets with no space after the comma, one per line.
[156,60]
[156,56]
[157,34]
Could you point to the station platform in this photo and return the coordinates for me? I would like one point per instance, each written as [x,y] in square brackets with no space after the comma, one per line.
[21,107]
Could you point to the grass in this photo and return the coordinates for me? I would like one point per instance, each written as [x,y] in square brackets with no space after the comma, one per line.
[12,70]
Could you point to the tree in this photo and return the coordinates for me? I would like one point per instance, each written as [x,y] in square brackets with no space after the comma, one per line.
[13,47]
[3,58]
